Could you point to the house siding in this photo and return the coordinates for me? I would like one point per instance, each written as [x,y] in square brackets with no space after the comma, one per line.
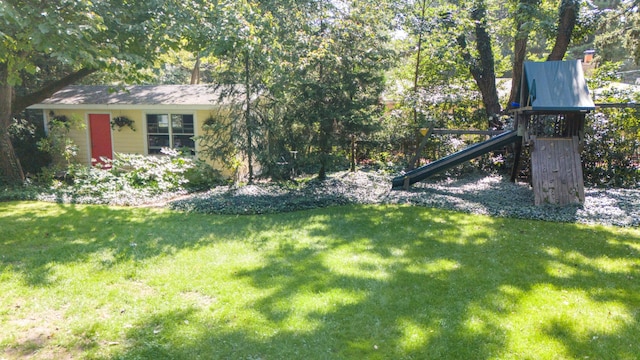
[78,132]
[200,117]
[126,140]
[135,102]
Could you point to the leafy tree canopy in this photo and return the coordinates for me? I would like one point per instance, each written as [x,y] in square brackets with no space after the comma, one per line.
[46,45]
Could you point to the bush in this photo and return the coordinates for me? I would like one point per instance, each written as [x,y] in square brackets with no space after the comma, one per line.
[126,180]
[202,176]
[612,136]
[58,145]
[607,155]
[26,131]
[132,179]
[155,174]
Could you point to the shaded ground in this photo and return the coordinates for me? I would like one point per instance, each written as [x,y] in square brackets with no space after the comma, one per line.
[481,194]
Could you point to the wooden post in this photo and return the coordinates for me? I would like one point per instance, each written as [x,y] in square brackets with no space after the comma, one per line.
[515,170]
[352,168]
[423,143]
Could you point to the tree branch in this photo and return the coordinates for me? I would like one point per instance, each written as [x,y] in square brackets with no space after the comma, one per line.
[566,22]
[20,103]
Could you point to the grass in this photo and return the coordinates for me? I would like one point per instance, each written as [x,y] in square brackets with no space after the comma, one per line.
[377,282]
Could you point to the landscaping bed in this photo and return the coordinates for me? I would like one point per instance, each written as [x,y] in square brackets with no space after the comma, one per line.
[474,193]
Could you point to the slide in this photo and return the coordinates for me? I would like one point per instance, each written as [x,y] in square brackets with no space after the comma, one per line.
[454,159]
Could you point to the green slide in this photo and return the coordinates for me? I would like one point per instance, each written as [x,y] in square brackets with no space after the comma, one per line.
[454,159]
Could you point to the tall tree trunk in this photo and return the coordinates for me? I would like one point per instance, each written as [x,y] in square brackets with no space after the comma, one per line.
[523,16]
[325,125]
[10,169]
[519,54]
[483,68]
[326,129]
[248,115]
[568,16]
[417,69]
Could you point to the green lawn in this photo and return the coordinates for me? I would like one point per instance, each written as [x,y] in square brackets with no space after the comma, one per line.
[386,282]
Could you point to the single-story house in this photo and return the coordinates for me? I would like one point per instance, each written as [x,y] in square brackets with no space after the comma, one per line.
[160,116]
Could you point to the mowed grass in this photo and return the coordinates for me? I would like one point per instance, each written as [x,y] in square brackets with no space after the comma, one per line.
[355,282]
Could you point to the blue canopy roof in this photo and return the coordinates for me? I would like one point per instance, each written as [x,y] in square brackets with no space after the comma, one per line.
[555,86]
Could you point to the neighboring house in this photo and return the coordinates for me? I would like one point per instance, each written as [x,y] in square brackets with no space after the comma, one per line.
[162,115]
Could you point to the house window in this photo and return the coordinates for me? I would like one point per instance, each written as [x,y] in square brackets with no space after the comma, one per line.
[170,130]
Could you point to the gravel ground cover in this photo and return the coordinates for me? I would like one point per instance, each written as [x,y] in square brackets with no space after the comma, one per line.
[476,193]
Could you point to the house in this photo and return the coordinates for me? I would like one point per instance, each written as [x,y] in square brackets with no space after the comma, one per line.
[159,115]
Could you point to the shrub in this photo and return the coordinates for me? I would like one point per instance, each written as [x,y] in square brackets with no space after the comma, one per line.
[202,176]
[58,144]
[154,173]
[137,177]
[612,135]
[607,155]
[26,131]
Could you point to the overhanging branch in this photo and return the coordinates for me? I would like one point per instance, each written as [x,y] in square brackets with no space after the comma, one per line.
[22,102]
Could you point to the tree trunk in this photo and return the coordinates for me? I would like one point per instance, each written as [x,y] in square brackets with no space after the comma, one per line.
[195,73]
[417,69]
[519,54]
[524,14]
[352,157]
[566,22]
[247,115]
[324,143]
[483,68]
[10,169]
[325,124]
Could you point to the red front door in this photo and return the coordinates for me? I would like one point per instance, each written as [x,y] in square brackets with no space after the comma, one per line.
[100,130]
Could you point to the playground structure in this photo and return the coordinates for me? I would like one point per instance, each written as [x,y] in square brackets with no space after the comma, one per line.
[549,122]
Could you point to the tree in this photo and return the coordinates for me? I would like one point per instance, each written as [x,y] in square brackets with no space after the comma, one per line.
[27,30]
[532,16]
[527,13]
[482,66]
[618,38]
[78,38]
[450,44]
[632,38]
[416,75]
[337,74]
[567,17]
[247,44]
[524,13]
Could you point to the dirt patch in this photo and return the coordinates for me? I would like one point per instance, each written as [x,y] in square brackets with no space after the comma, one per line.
[198,299]
[34,336]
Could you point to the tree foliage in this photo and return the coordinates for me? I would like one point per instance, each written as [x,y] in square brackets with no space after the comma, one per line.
[612,135]
[45,46]
[618,37]
[312,74]
[337,76]
[307,76]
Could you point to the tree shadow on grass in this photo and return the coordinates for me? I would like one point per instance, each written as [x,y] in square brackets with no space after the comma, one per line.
[401,282]
[358,282]
[234,203]
[41,235]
